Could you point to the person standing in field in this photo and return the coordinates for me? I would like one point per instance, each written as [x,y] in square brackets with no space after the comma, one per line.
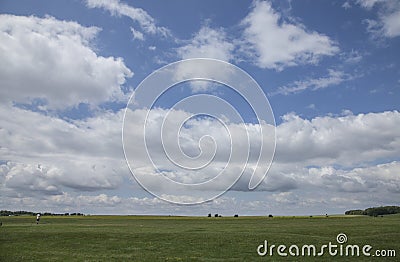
[37,218]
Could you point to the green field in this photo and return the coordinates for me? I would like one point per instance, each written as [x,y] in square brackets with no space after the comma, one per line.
[139,238]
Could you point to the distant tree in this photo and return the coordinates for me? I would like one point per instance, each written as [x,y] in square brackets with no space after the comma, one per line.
[236,215]
[270,215]
[209,215]
[375,211]
[384,210]
[20,213]
[5,213]
[15,213]
[354,212]
[216,215]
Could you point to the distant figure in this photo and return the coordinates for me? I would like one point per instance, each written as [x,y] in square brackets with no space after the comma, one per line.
[37,218]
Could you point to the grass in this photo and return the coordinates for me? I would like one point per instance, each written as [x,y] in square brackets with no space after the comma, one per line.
[141,238]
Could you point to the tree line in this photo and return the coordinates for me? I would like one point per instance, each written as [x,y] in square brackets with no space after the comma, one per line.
[29,213]
[375,211]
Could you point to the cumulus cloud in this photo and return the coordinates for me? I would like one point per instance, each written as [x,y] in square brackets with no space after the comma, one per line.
[53,62]
[327,149]
[197,155]
[82,154]
[29,178]
[297,202]
[208,43]
[49,135]
[86,154]
[275,43]
[345,140]
[387,24]
[383,177]
[391,24]
[266,39]
[138,15]
[325,185]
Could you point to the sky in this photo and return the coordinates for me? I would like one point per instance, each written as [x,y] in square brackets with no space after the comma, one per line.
[329,70]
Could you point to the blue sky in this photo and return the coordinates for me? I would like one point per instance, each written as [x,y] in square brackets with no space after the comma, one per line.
[330,70]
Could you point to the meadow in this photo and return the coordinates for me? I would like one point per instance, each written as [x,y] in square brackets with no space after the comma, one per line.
[154,238]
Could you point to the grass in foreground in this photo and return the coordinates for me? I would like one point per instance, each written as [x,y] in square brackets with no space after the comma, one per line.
[135,238]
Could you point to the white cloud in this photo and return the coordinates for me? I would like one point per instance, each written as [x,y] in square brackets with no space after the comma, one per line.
[275,43]
[323,143]
[299,202]
[368,4]
[380,177]
[299,177]
[29,178]
[83,154]
[266,40]
[391,24]
[97,137]
[284,198]
[137,34]
[388,23]
[222,157]
[347,140]
[53,61]
[352,57]
[86,154]
[333,78]
[311,106]
[375,178]
[346,5]
[208,43]
[328,187]
[138,15]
